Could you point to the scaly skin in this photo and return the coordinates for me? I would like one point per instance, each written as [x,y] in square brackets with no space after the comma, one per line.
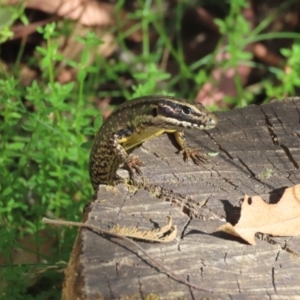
[138,120]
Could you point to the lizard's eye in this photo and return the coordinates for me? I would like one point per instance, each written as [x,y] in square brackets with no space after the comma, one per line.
[186,110]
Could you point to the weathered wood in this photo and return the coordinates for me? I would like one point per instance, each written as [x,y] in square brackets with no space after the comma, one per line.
[259,154]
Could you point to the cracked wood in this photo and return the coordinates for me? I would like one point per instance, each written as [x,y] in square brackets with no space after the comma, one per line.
[259,154]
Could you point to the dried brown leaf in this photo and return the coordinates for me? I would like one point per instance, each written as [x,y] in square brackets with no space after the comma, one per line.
[87,12]
[280,219]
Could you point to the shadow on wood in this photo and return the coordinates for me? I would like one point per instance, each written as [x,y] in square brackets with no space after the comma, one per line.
[259,154]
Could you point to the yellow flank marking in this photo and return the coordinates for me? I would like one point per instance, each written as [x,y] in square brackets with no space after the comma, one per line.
[138,138]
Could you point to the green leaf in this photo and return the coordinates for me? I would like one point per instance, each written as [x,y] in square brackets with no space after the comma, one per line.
[87,145]
[16,146]
[6,17]
[7,191]
[98,122]
[81,75]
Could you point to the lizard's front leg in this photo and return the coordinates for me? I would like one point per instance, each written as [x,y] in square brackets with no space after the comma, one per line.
[187,151]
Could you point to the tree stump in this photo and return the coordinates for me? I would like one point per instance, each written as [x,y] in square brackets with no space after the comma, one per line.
[259,154]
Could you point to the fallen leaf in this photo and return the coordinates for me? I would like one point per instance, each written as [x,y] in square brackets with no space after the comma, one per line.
[280,219]
[87,12]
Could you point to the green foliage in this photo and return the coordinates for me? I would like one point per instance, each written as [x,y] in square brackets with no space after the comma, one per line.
[8,14]
[43,166]
[46,128]
[147,81]
[289,77]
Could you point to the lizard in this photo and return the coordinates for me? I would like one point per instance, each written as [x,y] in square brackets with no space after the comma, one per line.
[138,120]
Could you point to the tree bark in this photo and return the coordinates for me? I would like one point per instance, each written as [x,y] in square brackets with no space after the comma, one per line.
[258,154]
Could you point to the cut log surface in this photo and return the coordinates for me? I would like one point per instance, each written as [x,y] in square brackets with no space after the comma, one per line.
[258,154]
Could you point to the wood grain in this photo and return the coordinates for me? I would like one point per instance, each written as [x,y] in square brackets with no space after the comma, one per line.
[259,154]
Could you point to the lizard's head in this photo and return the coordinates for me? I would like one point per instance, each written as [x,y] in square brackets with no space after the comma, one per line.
[180,113]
